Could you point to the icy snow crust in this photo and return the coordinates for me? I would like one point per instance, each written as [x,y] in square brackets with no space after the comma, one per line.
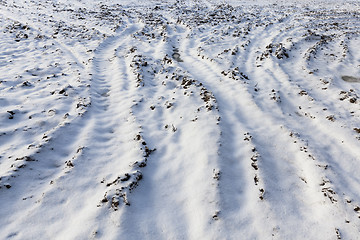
[179,119]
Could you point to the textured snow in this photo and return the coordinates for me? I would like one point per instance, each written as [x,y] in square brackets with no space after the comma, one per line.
[179,119]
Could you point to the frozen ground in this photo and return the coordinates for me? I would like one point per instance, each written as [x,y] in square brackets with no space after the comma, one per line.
[179,119]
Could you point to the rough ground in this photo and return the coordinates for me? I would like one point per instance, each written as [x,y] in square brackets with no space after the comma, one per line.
[179,119]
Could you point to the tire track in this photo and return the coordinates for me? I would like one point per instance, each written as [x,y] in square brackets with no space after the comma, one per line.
[105,147]
[184,140]
[262,133]
[180,181]
[47,77]
[234,196]
[277,76]
[283,80]
[52,143]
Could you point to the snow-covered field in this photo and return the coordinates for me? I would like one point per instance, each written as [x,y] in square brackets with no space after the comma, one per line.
[179,119]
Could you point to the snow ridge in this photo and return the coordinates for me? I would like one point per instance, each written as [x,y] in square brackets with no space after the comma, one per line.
[179,120]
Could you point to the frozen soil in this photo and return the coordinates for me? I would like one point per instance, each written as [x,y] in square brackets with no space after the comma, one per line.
[179,119]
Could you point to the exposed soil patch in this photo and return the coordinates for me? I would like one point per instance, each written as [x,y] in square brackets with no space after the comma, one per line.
[350,79]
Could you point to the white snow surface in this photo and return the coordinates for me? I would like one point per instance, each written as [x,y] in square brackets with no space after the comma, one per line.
[216,119]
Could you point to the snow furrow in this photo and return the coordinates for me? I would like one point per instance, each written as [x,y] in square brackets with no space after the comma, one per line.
[180,119]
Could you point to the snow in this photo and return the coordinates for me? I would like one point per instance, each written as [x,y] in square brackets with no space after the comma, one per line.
[179,119]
